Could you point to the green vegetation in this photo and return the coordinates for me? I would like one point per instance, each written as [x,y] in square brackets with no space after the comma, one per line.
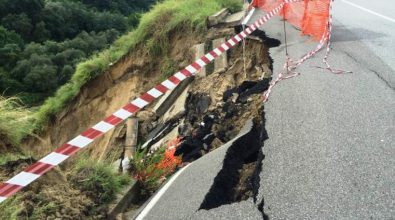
[11,208]
[42,41]
[154,27]
[97,180]
[14,208]
[47,65]
[15,120]
[145,171]
[4,158]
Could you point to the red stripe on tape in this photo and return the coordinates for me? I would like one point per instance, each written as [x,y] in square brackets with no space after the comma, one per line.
[91,133]
[67,149]
[228,44]
[131,108]
[114,120]
[147,97]
[161,88]
[186,72]
[7,190]
[221,49]
[213,54]
[196,66]
[234,40]
[39,168]
[205,60]
[174,80]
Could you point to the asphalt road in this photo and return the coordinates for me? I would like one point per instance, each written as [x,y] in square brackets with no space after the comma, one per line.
[331,147]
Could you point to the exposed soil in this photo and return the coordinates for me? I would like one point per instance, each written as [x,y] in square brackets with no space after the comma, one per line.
[135,73]
[218,106]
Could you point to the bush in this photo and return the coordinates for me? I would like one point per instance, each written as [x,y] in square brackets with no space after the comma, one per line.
[15,121]
[98,180]
[154,26]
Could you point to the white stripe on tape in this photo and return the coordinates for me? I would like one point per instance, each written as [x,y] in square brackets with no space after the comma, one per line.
[54,158]
[168,84]
[180,76]
[191,69]
[201,63]
[139,103]
[243,34]
[225,46]
[238,38]
[155,93]
[2,198]
[122,114]
[248,30]
[231,42]
[209,57]
[103,126]
[23,178]
[217,51]
[80,141]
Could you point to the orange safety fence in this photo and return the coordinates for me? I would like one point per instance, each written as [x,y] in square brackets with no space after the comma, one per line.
[310,16]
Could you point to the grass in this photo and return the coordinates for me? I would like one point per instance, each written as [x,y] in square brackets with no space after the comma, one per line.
[4,158]
[14,208]
[15,120]
[152,32]
[98,180]
[11,208]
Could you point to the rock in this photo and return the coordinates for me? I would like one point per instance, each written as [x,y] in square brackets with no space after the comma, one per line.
[217,17]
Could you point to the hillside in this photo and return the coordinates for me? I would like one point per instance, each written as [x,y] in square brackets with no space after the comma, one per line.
[41,42]
[133,64]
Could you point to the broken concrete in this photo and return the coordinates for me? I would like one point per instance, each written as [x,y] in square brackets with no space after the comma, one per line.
[123,200]
[199,52]
[217,17]
[233,19]
[201,173]
[178,107]
[221,63]
[169,98]
[173,134]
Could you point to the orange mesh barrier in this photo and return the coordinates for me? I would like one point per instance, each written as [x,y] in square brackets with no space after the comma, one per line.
[310,16]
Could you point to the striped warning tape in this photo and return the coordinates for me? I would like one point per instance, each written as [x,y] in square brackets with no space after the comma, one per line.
[290,65]
[41,167]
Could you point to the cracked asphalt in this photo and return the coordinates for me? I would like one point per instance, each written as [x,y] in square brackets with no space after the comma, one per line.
[331,147]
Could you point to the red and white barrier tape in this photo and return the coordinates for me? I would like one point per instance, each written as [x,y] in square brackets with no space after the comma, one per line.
[290,65]
[44,165]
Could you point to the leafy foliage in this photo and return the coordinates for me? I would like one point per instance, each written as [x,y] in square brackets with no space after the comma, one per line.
[41,42]
[154,26]
[15,121]
[98,180]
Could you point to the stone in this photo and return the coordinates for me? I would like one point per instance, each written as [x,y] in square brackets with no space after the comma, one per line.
[222,61]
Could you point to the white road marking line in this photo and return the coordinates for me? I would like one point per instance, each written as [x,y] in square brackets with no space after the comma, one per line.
[370,11]
[156,198]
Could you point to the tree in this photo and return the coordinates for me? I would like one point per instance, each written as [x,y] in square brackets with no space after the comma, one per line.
[40,33]
[41,78]
[20,23]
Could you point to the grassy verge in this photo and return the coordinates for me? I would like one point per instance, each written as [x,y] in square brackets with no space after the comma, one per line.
[98,180]
[152,31]
[15,121]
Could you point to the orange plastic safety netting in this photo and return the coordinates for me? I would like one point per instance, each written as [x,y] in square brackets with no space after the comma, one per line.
[310,16]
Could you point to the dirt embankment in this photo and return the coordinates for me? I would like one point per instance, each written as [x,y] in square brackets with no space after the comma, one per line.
[134,74]
[128,78]
[54,195]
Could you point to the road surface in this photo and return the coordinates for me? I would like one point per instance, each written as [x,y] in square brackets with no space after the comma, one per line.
[331,147]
